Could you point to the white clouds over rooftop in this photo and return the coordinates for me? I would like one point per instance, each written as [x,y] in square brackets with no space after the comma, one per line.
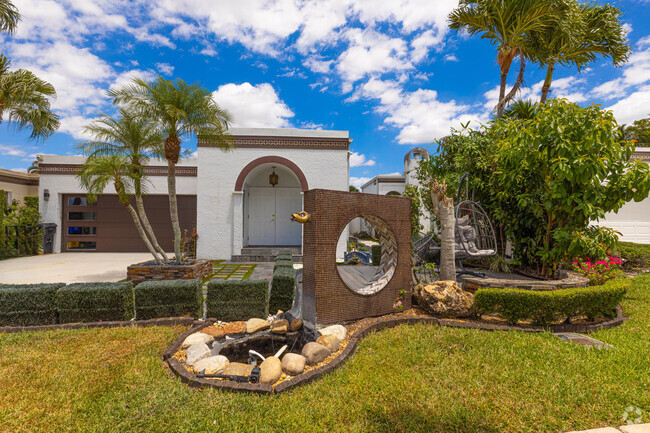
[253,106]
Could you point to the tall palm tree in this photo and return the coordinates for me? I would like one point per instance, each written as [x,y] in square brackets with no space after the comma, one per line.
[180,110]
[9,16]
[522,109]
[135,138]
[580,33]
[505,23]
[100,171]
[25,100]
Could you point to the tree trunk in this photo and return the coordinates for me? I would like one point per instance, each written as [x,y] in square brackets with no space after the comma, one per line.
[147,226]
[503,103]
[173,208]
[443,208]
[502,93]
[142,234]
[547,82]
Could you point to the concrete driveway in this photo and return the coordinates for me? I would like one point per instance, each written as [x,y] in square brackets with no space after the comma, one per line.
[68,267]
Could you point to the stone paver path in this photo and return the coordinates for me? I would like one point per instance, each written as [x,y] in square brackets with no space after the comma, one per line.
[632,428]
[231,271]
[583,340]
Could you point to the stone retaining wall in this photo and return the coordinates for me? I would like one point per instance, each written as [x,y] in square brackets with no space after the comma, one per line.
[145,271]
[572,280]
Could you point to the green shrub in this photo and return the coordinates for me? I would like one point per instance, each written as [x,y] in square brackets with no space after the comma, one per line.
[94,302]
[284,254]
[28,304]
[376,255]
[282,264]
[168,298]
[230,300]
[282,289]
[544,307]
[635,255]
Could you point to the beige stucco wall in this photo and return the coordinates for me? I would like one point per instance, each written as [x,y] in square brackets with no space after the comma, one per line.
[15,183]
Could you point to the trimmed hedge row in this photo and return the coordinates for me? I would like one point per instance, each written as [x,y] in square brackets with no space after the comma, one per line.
[94,302]
[283,264]
[282,288]
[50,304]
[284,255]
[230,300]
[545,307]
[376,255]
[168,298]
[28,304]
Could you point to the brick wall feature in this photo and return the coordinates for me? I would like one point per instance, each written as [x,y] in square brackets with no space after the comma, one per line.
[326,298]
[146,271]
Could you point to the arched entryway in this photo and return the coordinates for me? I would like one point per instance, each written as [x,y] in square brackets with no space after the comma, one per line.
[267,208]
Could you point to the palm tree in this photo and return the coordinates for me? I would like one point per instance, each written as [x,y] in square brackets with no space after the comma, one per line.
[505,23]
[24,99]
[134,138]
[580,33]
[179,110]
[9,17]
[522,109]
[98,172]
[34,167]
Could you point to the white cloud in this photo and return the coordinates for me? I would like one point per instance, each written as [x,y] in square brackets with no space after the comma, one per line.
[451,58]
[253,106]
[610,89]
[423,43]
[165,68]
[316,65]
[20,170]
[10,150]
[633,107]
[358,181]
[74,125]
[359,160]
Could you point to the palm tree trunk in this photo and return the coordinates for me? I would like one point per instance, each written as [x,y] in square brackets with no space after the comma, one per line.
[502,93]
[147,226]
[547,82]
[142,234]
[511,94]
[443,208]
[173,208]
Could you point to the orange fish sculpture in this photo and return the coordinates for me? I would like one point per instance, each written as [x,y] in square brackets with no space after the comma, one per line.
[302,217]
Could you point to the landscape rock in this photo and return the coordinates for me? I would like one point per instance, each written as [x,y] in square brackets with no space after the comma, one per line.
[287,316]
[211,365]
[215,331]
[445,299]
[195,353]
[293,364]
[254,325]
[238,369]
[338,330]
[330,341]
[280,326]
[315,353]
[195,338]
[295,325]
[235,328]
[270,370]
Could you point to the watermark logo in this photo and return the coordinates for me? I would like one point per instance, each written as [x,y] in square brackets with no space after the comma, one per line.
[632,415]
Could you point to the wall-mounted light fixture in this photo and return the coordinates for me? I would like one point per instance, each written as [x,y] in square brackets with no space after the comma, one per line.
[273,178]
[46,194]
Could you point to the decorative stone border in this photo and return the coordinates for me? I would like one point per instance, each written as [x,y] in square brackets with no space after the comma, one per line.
[166,321]
[389,322]
[146,271]
[573,280]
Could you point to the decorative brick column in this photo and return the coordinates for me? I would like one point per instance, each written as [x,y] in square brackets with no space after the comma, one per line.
[326,298]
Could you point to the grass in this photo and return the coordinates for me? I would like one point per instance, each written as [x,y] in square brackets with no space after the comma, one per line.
[412,378]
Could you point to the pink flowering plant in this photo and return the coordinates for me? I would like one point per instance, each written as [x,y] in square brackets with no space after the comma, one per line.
[398,305]
[598,271]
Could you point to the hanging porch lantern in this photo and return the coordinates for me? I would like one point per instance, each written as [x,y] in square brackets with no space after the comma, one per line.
[273,178]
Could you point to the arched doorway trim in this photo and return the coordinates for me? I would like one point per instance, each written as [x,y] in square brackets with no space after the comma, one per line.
[239,184]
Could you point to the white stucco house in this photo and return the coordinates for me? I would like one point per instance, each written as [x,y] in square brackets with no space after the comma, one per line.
[238,210]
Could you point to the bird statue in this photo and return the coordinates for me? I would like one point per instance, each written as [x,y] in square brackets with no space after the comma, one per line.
[302,217]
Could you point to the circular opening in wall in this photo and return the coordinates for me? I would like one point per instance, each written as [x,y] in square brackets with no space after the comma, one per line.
[370,256]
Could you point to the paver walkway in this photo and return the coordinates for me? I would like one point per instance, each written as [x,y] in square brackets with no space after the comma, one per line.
[582,340]
[632,428]
[231,271]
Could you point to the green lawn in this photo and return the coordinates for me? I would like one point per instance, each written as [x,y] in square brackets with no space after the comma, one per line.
[410,378]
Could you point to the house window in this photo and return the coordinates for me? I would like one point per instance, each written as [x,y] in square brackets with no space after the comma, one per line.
[82,216]
[9,197]
[79,201]
[82,231]
[81,245]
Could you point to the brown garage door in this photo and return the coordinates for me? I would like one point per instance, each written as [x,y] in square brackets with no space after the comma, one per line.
[108,227]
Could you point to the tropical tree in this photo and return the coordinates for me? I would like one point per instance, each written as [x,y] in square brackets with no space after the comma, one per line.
[522,109]
[579,34]
[134,138]
[98,172]
[640,131]
[505,23]
[179,110]
[443,209]
[9,17]
[34,167]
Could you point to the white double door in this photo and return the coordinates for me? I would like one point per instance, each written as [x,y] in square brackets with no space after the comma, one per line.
[269,216]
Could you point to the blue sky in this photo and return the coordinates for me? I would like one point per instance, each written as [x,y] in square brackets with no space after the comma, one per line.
[388,71]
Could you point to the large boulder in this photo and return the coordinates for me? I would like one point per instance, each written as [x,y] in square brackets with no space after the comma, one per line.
[293,364]
[445,299]
[196,352]
[280,326]
[330,341]
[195,338]
[254,325]
[211,365]
[270,370]
[238,369]
[315,353]
[338,330]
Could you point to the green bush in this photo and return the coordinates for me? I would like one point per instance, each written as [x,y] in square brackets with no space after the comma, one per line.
[95,302]
[635,255]
[28,304]
[230,300]
[376,255]
[168,298]
[282,264]
[545,307]
[282,289]
[284,254]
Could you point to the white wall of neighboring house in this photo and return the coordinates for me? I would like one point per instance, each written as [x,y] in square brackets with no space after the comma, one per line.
[60,184]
